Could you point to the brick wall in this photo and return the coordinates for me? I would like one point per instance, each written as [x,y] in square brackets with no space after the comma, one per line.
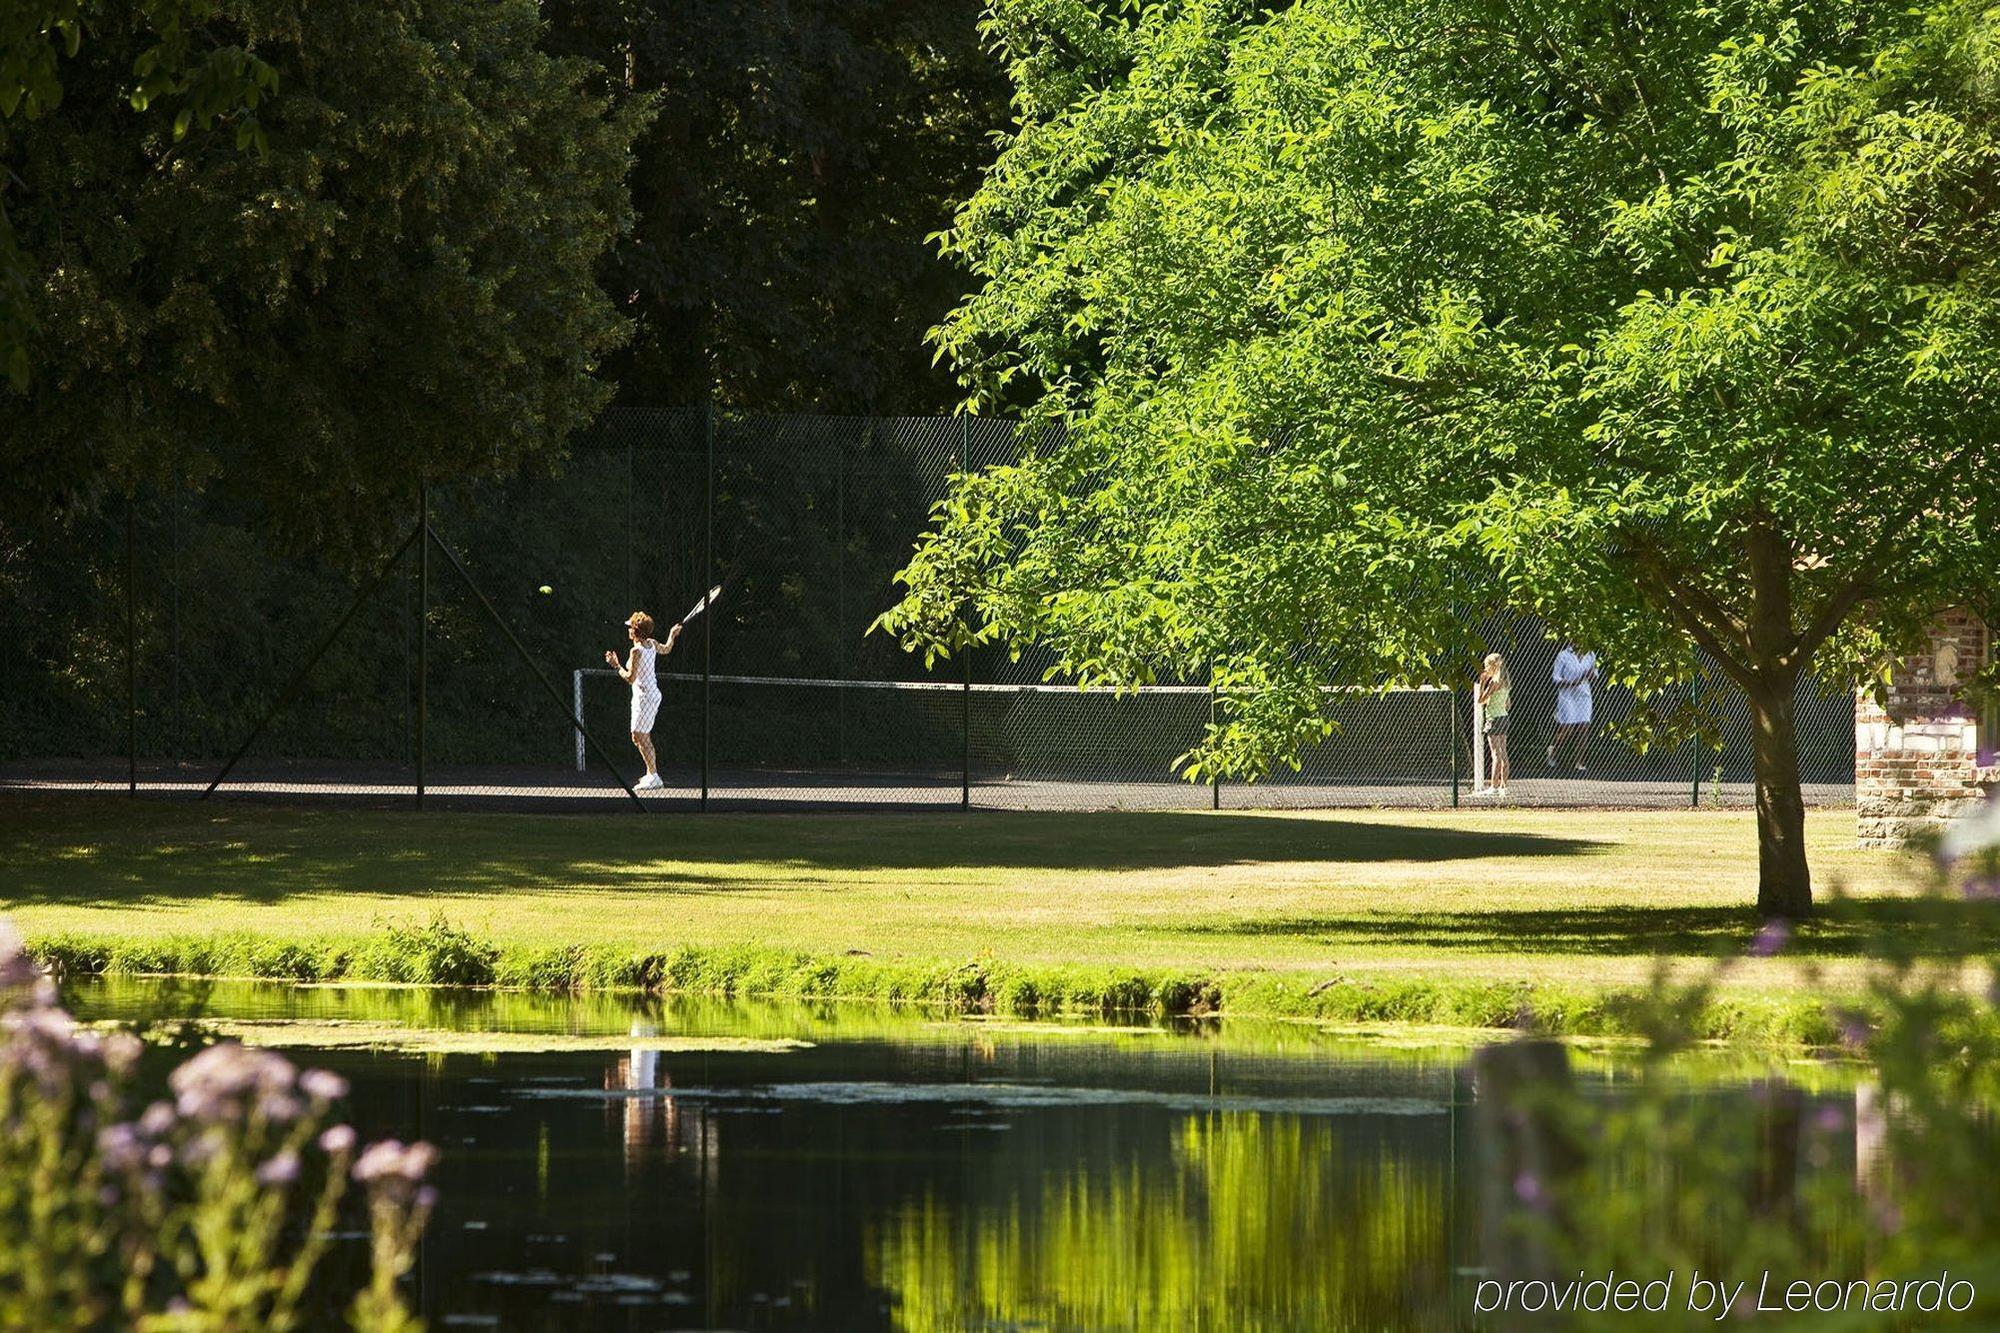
[1926,756]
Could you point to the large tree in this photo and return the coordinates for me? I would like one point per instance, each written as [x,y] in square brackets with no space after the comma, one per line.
[1677,323]
[192,80]
[390,273]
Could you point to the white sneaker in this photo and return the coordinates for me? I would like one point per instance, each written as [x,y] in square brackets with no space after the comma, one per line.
[650,782]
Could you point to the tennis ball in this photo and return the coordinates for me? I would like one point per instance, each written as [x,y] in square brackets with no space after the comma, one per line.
[546,590]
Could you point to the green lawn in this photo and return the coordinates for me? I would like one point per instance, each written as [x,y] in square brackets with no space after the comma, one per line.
[1570,897]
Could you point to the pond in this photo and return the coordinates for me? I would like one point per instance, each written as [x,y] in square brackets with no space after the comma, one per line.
[638,1164]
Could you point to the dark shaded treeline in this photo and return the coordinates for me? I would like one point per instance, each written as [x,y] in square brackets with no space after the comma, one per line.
[800,156]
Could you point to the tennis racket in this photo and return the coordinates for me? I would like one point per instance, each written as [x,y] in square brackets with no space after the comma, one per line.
[708,599]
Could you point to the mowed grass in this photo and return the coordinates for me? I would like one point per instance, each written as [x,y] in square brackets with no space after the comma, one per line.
[1563,897]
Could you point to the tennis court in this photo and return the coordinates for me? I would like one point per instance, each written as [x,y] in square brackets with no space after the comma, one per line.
[469,664]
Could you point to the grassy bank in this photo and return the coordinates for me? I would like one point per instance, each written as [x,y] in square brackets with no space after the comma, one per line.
[1464,918]
[441,954]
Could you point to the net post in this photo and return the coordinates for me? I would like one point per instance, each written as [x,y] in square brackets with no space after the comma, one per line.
[576,703]
[131,649]
[707,577]
[965,695]
[423,637]
[1478,749]
[1451,711]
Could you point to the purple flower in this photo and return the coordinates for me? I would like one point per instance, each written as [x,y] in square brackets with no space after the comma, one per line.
[391,1161]
[120,1146]
[338,1140]
[17,969]
[121,1052]
[158,1119]
[45,1045]
[1830,1120]
[1771,939]
[1528,1189]
[282,1169]
[230,1083]
[322,1085]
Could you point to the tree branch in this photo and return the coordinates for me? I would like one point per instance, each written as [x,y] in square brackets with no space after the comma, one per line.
[1691,620]
[1706,611]
[1880,555]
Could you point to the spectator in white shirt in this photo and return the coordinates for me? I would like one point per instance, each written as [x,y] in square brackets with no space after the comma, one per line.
[1574,671]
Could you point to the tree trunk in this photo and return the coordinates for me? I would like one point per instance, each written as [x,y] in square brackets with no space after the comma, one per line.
[1784,884]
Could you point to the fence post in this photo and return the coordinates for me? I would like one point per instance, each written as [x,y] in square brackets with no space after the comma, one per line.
[1694,744]
[174,628]
[707,576]
[631,593]
[965,695]
[1214,778]
[840,590]
[423,636]
[298,680]
[131,649]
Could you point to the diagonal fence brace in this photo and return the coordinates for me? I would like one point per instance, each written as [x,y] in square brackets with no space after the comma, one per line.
[528,660]
[298,679]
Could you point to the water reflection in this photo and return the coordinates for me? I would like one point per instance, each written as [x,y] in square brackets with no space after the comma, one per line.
[1227,1221]
[914,1175]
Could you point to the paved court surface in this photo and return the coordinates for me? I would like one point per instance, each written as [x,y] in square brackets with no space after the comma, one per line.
[559,789]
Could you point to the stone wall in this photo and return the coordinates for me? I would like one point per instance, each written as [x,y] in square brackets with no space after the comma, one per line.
[1927,756]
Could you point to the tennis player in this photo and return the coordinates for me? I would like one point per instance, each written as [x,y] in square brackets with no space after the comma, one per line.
[637,671]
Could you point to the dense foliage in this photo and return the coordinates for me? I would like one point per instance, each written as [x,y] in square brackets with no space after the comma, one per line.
[390,272]
[193,84]
[1676,324]
[786,194]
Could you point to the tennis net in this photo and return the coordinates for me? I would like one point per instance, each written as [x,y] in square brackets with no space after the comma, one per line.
[1019,745]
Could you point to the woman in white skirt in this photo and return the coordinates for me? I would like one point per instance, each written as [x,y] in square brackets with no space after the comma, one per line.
[637,670]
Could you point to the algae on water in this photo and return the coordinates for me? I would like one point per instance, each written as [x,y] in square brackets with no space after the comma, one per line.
[360,1034]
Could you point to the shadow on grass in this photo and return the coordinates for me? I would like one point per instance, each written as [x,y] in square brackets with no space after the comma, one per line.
[101,851]
[1843,928]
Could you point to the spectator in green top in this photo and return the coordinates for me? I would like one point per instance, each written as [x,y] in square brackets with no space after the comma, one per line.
[1494,689]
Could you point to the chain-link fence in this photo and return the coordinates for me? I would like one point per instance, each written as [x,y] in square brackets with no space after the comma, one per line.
[162,646]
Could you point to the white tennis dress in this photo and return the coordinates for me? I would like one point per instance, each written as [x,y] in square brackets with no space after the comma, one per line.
[645,687]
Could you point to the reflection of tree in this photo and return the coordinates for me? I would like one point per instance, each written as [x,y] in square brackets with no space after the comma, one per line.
[1250,1221]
